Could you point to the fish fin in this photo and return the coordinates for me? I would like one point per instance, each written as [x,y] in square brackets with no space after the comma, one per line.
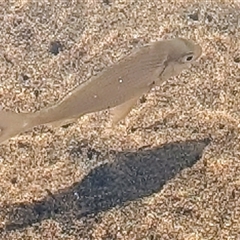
[12,124]
[121,111]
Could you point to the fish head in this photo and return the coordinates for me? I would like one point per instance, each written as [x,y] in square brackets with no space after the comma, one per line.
[182,53]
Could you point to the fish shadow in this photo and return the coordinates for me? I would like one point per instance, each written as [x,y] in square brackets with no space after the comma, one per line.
[131,176]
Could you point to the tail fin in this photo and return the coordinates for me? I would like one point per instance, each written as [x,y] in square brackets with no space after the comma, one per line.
[11,124]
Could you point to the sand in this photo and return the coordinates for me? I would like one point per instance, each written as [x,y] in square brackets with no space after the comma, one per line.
[171,170]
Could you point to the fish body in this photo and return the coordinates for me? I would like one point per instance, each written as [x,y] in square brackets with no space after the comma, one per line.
[118,87]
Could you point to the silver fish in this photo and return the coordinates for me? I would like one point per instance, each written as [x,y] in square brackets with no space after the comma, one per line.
[117,88]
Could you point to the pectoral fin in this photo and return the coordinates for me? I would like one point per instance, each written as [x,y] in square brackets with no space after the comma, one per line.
[121,111]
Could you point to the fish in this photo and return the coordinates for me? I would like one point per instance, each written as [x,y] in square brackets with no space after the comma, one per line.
[116,88]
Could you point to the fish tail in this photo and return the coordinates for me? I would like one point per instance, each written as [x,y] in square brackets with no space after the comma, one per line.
[11,124]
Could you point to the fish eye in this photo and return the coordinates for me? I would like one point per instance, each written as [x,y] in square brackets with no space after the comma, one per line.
[187,58]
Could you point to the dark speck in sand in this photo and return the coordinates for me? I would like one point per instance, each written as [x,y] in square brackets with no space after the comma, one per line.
[55,47]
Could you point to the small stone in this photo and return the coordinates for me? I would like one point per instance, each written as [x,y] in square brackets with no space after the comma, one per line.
[14,180]
[236,59]
[25,77]
[194,16]
[55,47]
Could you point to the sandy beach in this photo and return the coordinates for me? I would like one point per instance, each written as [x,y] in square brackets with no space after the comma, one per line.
[170,170]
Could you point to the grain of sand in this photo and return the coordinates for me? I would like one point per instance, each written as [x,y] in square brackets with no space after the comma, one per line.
[170,171]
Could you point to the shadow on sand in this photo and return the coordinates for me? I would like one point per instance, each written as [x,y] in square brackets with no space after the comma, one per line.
[133,175]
